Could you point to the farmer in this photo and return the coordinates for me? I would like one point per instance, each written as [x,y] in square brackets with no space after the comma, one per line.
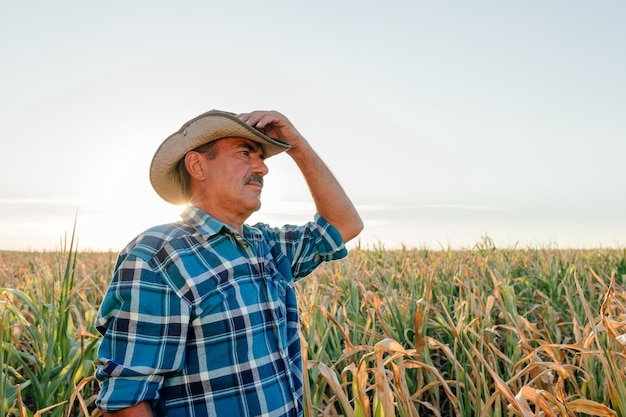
[201,318]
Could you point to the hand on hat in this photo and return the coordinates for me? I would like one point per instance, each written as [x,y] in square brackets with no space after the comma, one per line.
[274,125]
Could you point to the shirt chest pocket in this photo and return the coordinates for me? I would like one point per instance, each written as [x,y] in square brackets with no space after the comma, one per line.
[243,299]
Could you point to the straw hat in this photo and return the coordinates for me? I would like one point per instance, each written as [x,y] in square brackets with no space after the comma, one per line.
[205,128]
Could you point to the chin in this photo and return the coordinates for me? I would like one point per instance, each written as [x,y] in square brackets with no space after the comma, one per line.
[256,206]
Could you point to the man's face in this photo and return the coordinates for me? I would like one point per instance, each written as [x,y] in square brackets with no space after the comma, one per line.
[234,179]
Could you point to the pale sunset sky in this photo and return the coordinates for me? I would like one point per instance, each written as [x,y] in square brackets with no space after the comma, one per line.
[444,121]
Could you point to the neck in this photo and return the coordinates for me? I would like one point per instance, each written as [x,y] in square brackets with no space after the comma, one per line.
[230,219]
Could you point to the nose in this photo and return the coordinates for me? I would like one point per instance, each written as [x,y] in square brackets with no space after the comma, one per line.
[259,166]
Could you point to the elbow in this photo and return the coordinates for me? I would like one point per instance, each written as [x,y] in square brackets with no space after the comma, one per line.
[352,230]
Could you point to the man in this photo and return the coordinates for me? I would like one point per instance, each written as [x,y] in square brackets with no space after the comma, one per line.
[201,318]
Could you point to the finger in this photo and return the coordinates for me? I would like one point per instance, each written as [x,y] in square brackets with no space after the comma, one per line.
[252,118]
[270,123]
[244,117]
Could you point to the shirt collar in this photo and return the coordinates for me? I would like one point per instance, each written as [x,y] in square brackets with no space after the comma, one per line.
[207,226]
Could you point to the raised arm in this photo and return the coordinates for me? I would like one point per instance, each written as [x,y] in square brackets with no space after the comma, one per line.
[331,201]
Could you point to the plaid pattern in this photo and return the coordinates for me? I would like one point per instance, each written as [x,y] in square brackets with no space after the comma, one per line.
[202,322]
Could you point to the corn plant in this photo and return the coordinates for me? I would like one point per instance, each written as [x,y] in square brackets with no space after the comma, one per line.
[464,333]
[52,348]
[483,332]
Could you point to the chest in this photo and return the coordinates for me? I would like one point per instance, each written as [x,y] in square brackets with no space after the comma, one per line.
[232,284]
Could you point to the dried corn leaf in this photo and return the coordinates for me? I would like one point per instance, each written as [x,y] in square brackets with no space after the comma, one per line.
[335,386]
[418,323]
[516,403]
[346,338]
[593,408]
[383,389]
[538,397]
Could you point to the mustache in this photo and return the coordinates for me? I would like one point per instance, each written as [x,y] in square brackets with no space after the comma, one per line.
[254,178]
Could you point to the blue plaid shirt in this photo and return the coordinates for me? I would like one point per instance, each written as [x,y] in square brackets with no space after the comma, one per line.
[201,321]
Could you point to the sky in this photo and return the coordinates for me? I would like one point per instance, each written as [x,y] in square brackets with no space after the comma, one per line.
[447,123]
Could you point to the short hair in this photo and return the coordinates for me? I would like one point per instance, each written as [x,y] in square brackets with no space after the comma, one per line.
[180,170]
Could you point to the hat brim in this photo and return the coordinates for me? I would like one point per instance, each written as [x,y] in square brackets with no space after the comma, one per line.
[205,128]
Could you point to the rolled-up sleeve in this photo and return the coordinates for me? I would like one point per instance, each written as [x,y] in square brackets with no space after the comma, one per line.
[306,246]
[144,326]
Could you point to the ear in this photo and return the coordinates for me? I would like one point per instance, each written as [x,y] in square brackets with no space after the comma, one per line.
[194,162]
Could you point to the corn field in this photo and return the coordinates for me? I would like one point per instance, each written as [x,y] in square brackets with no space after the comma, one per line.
[410,332]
